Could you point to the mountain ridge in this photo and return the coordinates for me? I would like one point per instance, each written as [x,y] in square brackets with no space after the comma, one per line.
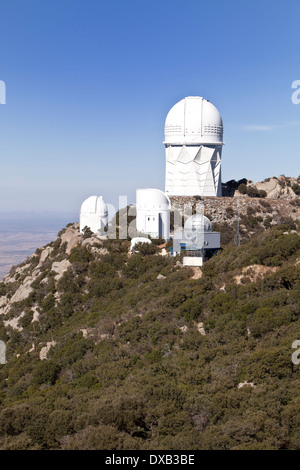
[108,349]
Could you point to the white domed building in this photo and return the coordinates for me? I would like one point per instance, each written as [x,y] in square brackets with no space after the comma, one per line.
[94,214]
[196,241]
[153,213]
[197,223]
[193,142]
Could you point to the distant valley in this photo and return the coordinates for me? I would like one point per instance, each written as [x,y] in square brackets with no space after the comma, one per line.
[21,234]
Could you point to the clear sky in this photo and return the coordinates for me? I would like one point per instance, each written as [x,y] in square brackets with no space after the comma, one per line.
[89,84]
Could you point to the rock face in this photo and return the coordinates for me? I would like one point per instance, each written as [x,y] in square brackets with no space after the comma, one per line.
[71,237]
[23,291]
[161,276]
[200,328]
[282,200]
[225,209]
[44,351]
[37,268]
[244,384]
[283,187]
[20,294]
[60,267]
[14,322]
[279,188]
[47,265]
[254,272]
[44,255]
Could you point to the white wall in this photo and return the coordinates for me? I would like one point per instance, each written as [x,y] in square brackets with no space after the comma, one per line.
[153,213]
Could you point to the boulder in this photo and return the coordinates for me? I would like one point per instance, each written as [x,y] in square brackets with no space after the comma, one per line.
[71,237]
[60,267]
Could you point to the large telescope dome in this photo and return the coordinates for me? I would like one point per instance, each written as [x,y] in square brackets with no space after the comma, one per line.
[193,120]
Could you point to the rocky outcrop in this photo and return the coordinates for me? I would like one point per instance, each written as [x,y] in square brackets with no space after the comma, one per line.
[95,244]
[44,351]
[244,384]
[282,187]
[200,328]
[255,272]
[161,276]
[60,267]
[46,265]
[20,294]
[44,255]
[14,322]
[71,237]
[225,209]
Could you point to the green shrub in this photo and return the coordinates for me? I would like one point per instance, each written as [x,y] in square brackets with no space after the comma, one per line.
[46,373]
[296,189]
[191,309]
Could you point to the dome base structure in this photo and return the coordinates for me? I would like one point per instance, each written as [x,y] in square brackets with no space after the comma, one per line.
[197,242]
[193,142]
[193,171]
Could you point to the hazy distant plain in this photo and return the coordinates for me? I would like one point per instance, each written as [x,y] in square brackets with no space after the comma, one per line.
[21,235]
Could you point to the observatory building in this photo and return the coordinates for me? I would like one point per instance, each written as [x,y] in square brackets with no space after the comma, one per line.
[153,213]
[193,142]
[197,241]
[94,214]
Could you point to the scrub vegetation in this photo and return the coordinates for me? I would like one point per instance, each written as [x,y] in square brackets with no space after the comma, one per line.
[142,361]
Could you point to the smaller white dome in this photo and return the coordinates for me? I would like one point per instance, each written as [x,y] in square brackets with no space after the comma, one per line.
[94,205]
[150,198]
[153,212]
[93,214]
[198,223]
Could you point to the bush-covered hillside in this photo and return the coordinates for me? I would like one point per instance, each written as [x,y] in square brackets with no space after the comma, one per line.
[107,350]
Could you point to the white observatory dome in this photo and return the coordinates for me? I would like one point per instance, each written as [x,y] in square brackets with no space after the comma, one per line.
[153,213]
[93,214]
[197,223]
[151,198]
[94,205]
[193,120]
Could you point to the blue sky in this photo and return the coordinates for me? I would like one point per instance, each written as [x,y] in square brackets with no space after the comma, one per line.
[89,84]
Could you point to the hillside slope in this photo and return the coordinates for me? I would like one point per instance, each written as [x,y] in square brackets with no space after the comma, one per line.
[107,350]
